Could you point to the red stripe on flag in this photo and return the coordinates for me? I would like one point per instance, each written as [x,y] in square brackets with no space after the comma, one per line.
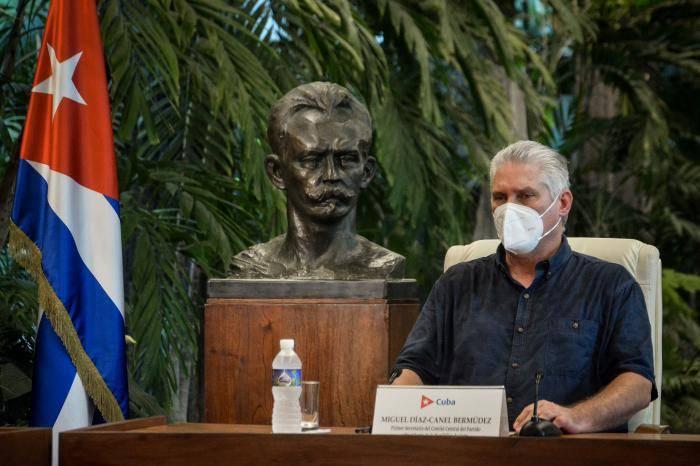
[77,139]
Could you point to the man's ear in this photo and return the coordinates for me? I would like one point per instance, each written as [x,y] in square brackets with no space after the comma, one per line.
[369,170]
[273,166]
[565,202]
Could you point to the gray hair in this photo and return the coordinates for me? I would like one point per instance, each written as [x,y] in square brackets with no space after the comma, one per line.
[553,167]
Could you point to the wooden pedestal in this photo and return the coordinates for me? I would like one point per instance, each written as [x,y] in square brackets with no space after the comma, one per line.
[349,343]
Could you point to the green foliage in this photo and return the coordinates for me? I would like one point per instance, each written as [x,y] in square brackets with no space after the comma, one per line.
[681,352]
[18,311]
[15,86]
[184,136]
[632,81]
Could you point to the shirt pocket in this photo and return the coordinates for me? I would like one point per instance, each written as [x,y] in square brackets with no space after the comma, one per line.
[570,347]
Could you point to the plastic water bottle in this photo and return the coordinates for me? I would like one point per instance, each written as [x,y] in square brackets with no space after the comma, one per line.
[286,389]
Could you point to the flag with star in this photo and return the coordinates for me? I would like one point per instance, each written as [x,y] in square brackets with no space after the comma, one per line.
[66,229]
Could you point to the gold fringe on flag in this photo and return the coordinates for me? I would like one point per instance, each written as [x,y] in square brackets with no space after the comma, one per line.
[28,255]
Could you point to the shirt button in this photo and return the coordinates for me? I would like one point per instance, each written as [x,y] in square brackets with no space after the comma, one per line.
[574,324]
[521,330]
[515,365]
[509,400]
[526,296]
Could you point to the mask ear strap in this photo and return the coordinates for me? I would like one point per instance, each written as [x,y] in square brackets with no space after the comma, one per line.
[550,205]
[551,229]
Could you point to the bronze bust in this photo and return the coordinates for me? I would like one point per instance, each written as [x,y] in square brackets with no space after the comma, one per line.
[321,136]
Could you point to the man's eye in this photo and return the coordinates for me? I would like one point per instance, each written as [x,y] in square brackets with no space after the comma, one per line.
[348,159]
[309,162]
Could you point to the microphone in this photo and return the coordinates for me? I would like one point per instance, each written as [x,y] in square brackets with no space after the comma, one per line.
[537,427]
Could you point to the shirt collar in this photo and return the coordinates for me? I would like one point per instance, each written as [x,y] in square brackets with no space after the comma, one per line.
[562,255]
[548,266]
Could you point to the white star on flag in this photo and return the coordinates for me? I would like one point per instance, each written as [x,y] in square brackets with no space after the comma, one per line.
[60,84]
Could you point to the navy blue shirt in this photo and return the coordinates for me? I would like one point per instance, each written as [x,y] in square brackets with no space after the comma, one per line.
[582,322]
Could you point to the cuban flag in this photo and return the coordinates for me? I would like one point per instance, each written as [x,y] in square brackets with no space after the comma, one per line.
[66,230]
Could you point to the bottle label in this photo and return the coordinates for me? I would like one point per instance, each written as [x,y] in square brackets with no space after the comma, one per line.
[286,377]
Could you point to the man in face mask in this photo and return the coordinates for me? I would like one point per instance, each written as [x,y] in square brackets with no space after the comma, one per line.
[537,306]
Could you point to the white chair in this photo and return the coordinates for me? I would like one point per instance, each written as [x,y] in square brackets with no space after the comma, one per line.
[640,259]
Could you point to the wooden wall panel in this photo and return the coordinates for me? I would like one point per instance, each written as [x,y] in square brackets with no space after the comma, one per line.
[346,344]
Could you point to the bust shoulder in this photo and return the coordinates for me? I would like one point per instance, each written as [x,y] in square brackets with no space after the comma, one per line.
[259,261]
[366,260]
[375,257]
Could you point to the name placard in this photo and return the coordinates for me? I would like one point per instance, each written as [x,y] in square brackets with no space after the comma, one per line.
[440,410]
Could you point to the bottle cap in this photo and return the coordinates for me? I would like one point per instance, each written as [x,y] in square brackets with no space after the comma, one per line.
[287,343]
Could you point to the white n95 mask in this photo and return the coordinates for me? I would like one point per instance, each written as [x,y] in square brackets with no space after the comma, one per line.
[520,228]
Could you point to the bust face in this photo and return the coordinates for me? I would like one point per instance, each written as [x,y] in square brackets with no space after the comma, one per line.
[326,165]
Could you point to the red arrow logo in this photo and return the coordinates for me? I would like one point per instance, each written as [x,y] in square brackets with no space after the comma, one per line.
[425,401]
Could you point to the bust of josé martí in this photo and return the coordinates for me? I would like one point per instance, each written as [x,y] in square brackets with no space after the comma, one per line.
[320,136]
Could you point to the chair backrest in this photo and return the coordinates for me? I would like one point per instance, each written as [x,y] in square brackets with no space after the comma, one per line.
[640,259]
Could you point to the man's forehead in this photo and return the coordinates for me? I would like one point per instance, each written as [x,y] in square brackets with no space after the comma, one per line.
[517,177]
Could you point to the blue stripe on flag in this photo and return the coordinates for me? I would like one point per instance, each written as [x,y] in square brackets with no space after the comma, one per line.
[95,316]
[114,203]
[53,376]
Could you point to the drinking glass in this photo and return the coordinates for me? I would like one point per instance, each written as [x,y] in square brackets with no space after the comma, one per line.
[309,404]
